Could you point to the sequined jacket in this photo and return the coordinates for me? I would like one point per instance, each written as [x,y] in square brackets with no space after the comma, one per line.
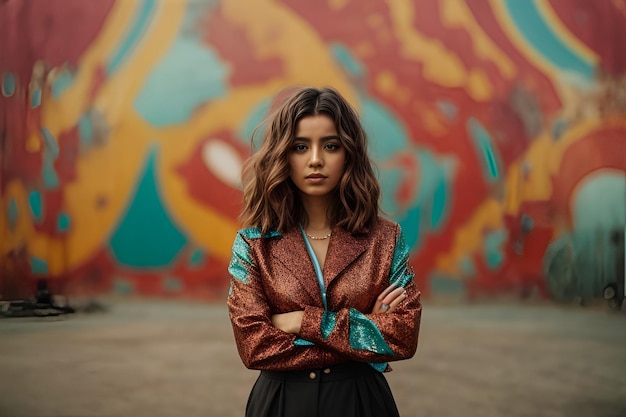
[273,273]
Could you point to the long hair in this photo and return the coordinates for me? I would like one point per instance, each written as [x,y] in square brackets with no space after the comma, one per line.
[271,200]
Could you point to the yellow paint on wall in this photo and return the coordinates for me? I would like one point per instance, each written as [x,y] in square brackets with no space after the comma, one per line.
[62,114]
[23,229]
[478,86]
[469,238]
[33,142]
[456,13]
[430,119]
[24,234]
[376,21]
[336,5]
[204,226]
[201,223]
[440,65]
[364,49]
[574,134]
[276,32]
[106,175]
[387,84]
[106,181]
[120,90]
[543,158]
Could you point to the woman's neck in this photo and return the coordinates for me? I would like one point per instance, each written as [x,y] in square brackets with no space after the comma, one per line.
[317,213]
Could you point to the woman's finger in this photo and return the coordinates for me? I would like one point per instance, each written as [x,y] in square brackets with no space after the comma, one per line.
[395,303]
[387,290]
[391,298]
[393,295]
[379,307]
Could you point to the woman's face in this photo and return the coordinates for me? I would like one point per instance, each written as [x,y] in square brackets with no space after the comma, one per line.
[317,157]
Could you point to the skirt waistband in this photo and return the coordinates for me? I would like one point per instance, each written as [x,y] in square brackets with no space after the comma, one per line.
[332,373]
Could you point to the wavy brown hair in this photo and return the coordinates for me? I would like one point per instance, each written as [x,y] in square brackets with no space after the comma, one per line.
[271,200]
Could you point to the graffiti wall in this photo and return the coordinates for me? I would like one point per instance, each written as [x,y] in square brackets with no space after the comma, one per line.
[498,128]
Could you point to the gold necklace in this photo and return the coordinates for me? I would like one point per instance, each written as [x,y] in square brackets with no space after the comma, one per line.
[319,238]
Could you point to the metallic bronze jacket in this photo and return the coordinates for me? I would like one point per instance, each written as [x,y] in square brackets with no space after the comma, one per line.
[273,273]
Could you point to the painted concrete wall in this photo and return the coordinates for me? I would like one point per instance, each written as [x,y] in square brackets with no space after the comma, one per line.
[499,129]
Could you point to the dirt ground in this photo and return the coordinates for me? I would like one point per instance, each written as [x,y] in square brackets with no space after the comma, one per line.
[170,359]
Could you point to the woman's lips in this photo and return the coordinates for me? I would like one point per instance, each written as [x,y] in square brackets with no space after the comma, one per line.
[315,178]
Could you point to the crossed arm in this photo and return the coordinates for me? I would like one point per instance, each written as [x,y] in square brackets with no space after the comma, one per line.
[386,302]
[305,338]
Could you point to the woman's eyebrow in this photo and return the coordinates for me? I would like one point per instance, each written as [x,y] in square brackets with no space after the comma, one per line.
[324,138]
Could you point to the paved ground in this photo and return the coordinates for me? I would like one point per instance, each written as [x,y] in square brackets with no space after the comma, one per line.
[164,359]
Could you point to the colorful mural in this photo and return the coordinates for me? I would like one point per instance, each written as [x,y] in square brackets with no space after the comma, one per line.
[498,128]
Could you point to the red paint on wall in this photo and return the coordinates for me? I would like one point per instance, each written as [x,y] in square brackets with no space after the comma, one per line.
[204,186]
[600,28]
[18,161]
[62,18]
[602,148]
[232,44]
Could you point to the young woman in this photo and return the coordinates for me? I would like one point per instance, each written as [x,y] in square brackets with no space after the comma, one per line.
[321,296]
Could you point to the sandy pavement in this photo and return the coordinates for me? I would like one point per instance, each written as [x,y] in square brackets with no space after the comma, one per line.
[169,359]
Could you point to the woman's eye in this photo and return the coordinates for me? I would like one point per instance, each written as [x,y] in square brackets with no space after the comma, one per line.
[299,148]
[332,146]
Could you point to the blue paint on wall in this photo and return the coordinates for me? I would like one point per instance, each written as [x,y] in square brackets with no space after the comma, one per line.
[36,205]
[172,284]
[255,121]
[389,180]
[12,213]
[197,258]
[188,76]
[411,226]
[467,267]
[484,149]
[51,145]
[63,222]
[448,109]
[146,237]
[8,84]
[347,60]
[433,191]
[440,200]
[85,130]
[35,98]
[194,9]
[442,284]
[385,132]
[539,34]
[38,265]
[50,153]
[62,83]
[141,20]
[430,207]
[600,203]
[493,248]
[559,127]
[123,286]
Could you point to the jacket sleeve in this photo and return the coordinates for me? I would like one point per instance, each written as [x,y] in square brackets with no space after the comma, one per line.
[261,345]
[365,337]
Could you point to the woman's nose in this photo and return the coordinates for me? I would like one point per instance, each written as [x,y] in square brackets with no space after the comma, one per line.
[316,159]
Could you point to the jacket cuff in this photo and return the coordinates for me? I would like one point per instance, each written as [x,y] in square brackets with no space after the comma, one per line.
[310,326]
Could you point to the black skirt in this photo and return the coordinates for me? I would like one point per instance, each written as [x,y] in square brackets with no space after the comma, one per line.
[347,390]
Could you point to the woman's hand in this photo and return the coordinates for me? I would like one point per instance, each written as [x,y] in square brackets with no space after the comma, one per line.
[389,299]
[386,302]
[288,322]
